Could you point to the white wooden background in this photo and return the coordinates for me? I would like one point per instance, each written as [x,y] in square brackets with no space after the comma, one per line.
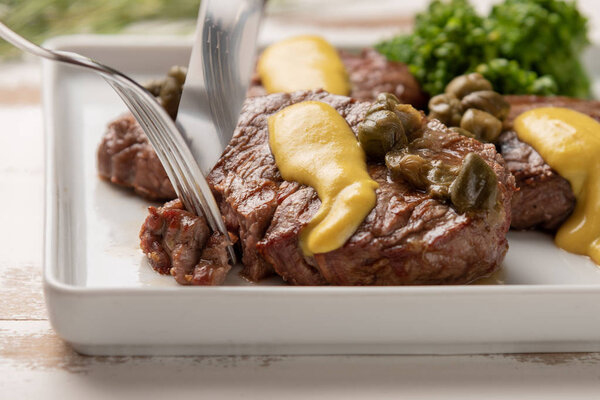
[36,364]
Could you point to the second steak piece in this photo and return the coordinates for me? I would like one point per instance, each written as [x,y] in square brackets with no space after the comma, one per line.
[544,199]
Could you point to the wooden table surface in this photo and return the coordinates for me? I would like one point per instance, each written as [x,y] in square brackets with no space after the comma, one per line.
[36,364]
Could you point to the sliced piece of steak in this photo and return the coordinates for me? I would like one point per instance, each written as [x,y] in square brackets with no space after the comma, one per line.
[180,243]
[409,237]
[544,199]
[125,157]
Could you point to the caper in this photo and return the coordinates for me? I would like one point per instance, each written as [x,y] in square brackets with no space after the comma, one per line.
[170,94]
[465,84]
[462,132]
[385,101]
[411,168]
[154,87]
[379,132]
[440,177]
[483,125]
[179,73]
[380,106]
[446,108]
[476,185]
[384,97]
[488,101]
[410,118]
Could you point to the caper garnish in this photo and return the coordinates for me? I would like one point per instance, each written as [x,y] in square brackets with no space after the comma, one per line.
[476,185]
[488,101]
[384,97]
[446,108]
[179,73]
[483,125]
[380,132]
[154,87]
[169,89]
[170,94]
[465,84]
[410,118]
[411,168]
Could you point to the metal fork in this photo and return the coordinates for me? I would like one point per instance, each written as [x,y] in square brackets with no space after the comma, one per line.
[174,154]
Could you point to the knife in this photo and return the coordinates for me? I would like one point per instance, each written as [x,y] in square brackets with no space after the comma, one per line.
[219,72]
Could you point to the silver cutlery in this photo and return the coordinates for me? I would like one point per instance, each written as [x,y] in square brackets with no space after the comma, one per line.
[182,169]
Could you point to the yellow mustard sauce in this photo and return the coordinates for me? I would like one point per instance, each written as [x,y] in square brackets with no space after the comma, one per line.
[313,145]
[569,142]
[303,63]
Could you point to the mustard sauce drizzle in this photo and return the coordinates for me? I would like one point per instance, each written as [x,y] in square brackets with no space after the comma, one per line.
[313,145]
[303,63]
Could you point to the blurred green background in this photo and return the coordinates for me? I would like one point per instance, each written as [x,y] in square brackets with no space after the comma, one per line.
[41,19]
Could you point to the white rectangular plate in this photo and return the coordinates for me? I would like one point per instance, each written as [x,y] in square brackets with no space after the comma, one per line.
[104,298]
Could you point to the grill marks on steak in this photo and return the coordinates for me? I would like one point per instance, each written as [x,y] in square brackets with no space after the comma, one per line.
[544,199]
[126,158]
[180,243]
[409,238]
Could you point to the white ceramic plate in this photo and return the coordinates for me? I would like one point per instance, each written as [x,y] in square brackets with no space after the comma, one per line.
[104,298]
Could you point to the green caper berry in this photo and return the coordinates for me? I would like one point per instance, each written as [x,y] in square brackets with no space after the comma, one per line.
[385,97]
[380,106]
[465,84]
[410,118]
[170,95]
[379,132]
[475,187]
[154,87]
[179,73]
[411,168]
[488,101]
[446,108]
[483,125]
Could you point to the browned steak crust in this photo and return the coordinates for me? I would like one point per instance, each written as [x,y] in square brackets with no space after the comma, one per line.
[544,199]
[180,243]
[409,238]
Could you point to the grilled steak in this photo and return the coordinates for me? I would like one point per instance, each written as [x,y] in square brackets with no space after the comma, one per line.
[544,199]
[180,243]
[125,157]
[408,238]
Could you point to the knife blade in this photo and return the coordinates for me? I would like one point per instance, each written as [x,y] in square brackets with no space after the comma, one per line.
[219,72]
